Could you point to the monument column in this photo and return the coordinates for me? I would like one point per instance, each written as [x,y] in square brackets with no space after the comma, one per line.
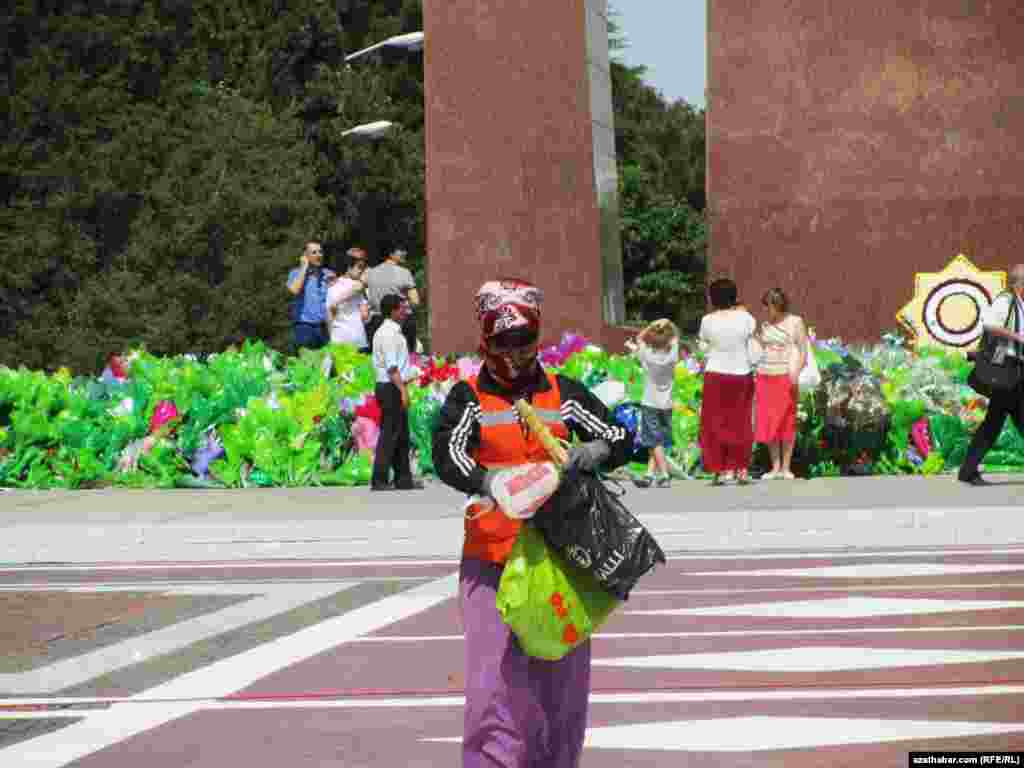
[520,155]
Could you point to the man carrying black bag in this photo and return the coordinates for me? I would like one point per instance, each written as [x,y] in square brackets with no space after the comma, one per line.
[1003,323]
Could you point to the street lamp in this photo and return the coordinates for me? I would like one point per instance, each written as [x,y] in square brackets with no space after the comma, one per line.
[412,41]
[372,130]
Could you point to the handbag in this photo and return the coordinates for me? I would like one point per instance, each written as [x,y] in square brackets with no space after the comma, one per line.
[810,376]
[995,371]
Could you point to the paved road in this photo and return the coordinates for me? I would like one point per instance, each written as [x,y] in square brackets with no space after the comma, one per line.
[754,658]
[324,523]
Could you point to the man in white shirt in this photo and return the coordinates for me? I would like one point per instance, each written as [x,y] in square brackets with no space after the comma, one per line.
[995,320]
[391,363]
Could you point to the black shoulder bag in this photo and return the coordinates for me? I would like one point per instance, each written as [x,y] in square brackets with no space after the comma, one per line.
[996,372]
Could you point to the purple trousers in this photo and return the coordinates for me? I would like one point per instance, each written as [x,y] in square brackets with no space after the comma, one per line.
[521,712]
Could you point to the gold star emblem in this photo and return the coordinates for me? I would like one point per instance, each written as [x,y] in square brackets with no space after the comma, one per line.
[947,307]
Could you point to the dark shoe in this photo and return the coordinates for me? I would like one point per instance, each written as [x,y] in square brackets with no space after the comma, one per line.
[976,480]
[664,481]
[412,485]
[382,487]
[643,482]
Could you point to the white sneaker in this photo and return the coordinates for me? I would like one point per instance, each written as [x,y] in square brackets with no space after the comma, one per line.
[770,476]
[787,476]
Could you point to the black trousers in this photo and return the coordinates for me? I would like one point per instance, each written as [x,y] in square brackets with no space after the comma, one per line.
[999,408]
[393,444]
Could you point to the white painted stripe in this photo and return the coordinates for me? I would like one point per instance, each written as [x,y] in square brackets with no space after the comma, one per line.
[841,553]
[665,697]
[757,733]
[841,588]
[55,714]
[874,570]
[253,586]
[839,608]
[97,731]
[725,633]
[219,679]
[810,659]
[795,554]
[242,586]
[207,566]
[78,669]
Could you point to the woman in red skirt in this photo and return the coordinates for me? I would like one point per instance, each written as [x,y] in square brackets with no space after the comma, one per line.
[726,431]
[784,340]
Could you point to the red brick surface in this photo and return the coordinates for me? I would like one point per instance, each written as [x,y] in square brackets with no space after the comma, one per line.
[851,145]
[510,179]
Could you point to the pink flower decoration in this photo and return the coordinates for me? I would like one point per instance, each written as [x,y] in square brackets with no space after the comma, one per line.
[165,411]
[365,432]
[921,438]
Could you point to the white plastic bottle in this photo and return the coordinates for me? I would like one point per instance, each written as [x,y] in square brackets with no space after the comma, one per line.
[521,491]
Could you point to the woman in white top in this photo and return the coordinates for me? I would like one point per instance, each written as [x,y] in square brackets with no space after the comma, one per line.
[726,431]
[784,341]
[347,308]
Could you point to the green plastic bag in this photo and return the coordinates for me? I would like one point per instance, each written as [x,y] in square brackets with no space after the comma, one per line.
[551,605]
[951,437]
[423,417]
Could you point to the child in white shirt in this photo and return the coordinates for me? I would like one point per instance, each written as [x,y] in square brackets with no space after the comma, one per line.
[657,348]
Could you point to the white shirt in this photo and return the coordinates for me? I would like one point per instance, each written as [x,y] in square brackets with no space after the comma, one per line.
[998,313]
[660,367]
[724,337]
[347,327]
[391,350]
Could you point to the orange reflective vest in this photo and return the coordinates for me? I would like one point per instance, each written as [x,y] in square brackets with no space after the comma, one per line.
[503,443]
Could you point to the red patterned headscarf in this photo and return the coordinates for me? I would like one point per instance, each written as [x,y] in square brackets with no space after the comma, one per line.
[507,305]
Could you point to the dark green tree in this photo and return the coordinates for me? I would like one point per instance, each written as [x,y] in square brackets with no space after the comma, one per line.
[163,162]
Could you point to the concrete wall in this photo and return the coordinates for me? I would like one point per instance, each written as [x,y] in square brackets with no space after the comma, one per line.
[853,144]
[520,162]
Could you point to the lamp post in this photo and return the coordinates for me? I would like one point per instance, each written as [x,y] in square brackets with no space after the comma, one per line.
[372,130]
[412,41]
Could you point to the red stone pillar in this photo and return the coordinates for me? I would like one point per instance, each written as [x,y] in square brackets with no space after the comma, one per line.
[852,145]
[521,178]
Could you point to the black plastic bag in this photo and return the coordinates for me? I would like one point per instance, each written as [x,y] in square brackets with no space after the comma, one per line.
[587,523]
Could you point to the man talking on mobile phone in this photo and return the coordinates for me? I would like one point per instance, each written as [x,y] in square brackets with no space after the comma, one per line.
[308,284]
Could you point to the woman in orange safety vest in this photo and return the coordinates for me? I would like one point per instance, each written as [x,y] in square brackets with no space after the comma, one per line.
[520,711]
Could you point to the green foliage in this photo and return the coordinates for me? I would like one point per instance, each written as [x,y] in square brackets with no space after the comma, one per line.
[664,246]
